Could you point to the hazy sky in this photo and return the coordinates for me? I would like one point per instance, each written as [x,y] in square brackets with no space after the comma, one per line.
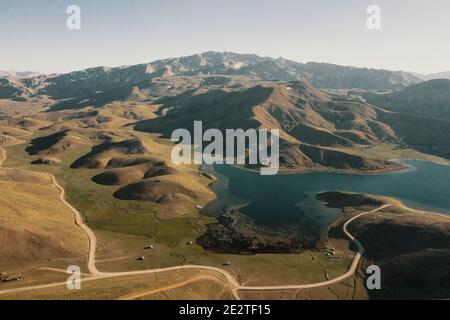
[415,34]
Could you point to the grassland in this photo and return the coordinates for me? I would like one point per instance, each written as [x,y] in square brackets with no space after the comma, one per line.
[351,289]
[115,288]
[124,228]
[37,230]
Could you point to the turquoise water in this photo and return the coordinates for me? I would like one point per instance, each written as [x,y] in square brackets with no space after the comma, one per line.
[280,199]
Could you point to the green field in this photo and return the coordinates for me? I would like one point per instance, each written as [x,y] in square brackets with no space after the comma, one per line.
[124,228]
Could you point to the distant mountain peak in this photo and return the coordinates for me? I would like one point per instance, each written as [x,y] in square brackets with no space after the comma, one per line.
[87,82]
[19,74]
[432,76]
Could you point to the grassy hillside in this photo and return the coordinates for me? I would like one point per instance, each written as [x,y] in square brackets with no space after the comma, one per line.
[413,252]
[411,247]
[305,116]
[429,99]
[124,228]
[426,135]
[37,230]
[188,284]
[31,235]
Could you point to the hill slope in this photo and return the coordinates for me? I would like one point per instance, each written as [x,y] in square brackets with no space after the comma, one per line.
[309,121]
[428,99]
[35,224]
[413,251]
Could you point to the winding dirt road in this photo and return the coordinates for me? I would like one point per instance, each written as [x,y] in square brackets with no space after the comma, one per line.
[230,279]
[80,223]
[3,154]
[350,273]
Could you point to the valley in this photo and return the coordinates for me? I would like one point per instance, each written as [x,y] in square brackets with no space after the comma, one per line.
[103,134]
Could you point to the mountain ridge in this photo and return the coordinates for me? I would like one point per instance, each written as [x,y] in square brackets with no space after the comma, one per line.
[429,99]
[229,90]
[321,75]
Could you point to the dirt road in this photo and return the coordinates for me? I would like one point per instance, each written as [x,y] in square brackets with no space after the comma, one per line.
[230,279]
[350,273]
[2,156]
[80,222]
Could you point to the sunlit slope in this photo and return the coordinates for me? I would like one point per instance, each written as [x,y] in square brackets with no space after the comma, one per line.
[309,120]
[35,224]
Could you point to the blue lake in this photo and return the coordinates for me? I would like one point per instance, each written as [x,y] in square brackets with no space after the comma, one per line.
[280,199]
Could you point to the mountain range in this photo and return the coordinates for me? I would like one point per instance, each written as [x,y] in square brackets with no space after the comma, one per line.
[101,79]
[323,111]
[18,74]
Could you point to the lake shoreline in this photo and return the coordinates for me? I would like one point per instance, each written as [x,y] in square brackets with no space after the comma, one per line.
[402,168]
[406,184]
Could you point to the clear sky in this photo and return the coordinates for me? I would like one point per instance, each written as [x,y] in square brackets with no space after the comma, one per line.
[415,34]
